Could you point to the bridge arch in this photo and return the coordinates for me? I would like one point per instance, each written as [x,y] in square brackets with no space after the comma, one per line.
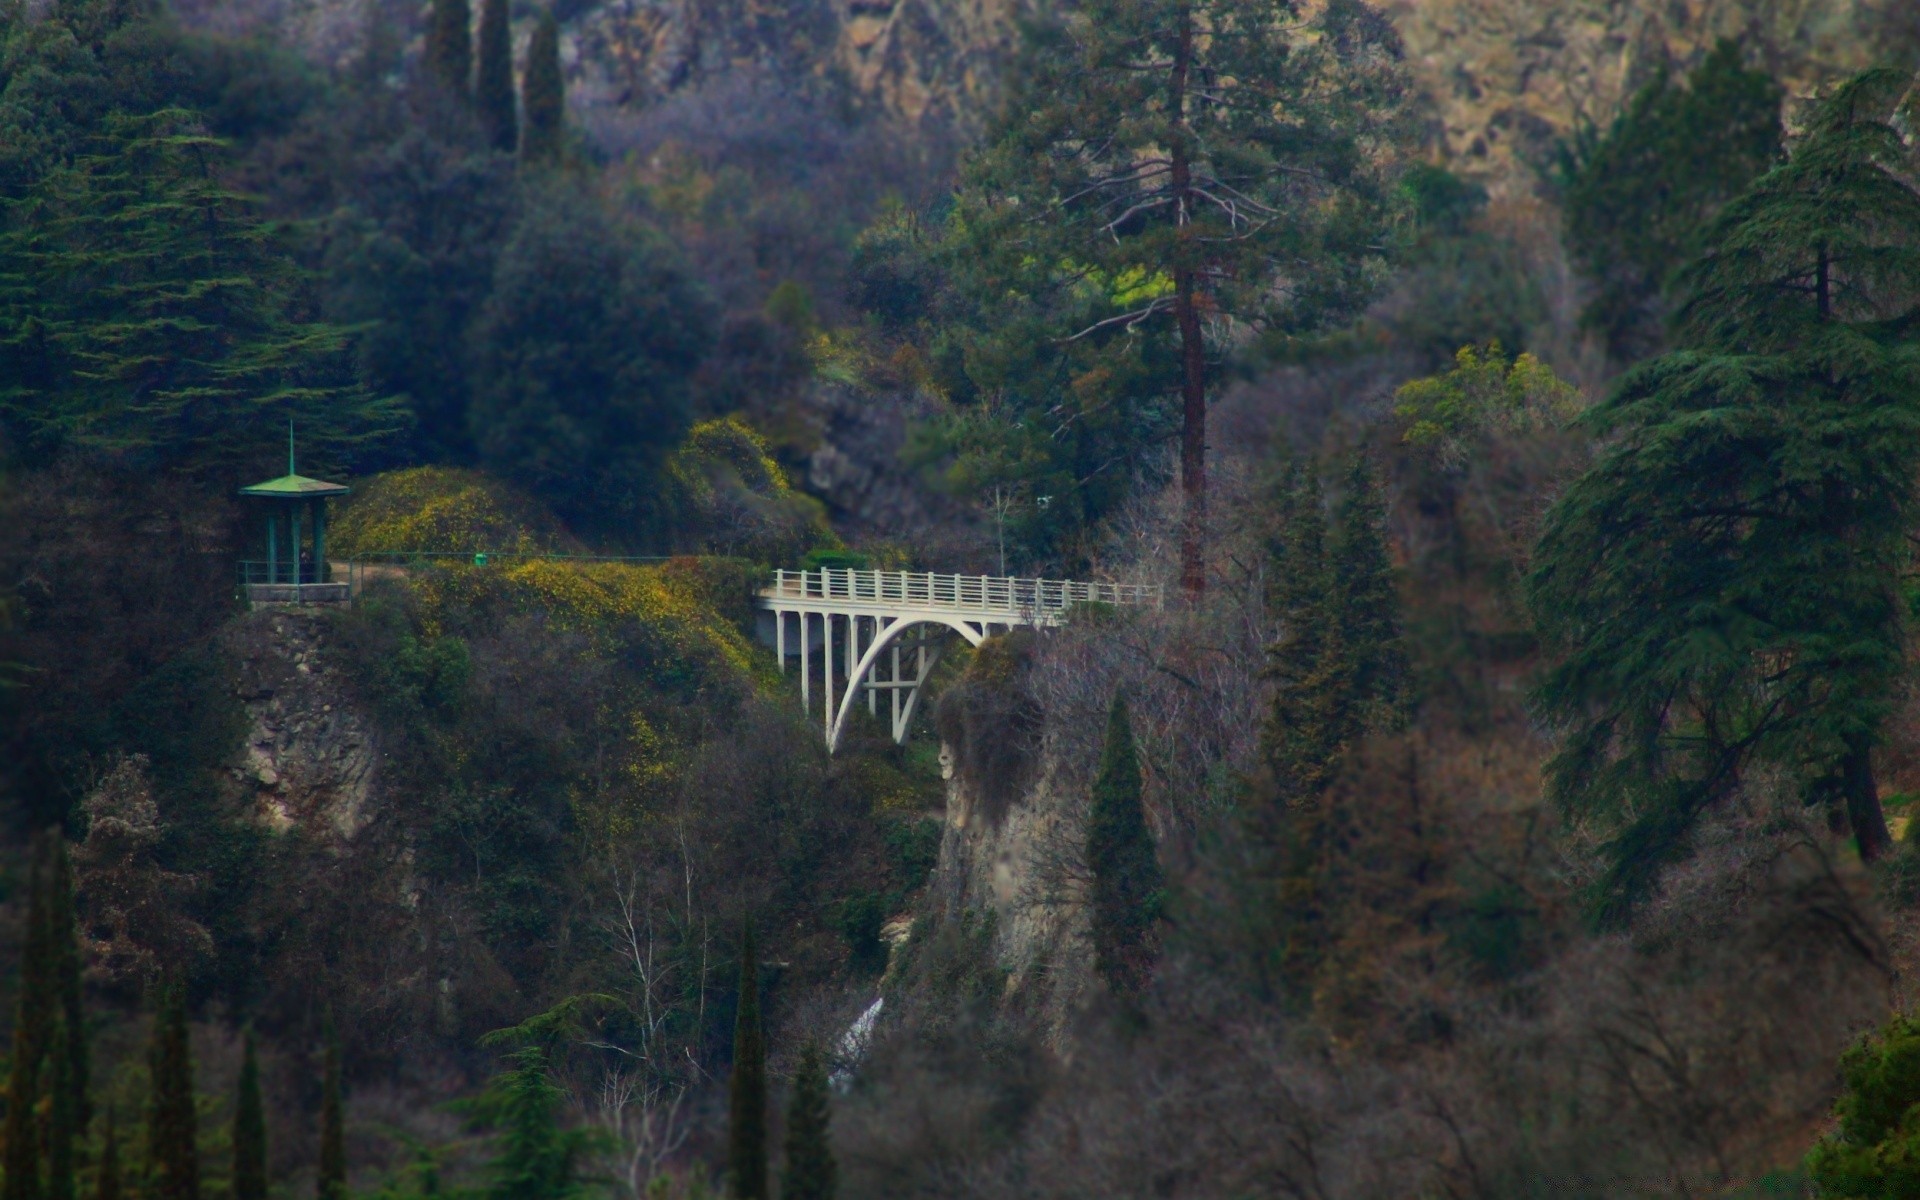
[974,632]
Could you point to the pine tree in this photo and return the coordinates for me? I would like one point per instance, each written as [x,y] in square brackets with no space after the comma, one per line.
[1311,722]
[747,1093]
[1125,894]
[543,93]
[173,1158]
[1369,605]
[810,1172]
[1159,163]
[106,1178]
[493,79]
[1723,584]
[449,50]
[331,1178]
[34,1028]
[249,1131]
[70,1108]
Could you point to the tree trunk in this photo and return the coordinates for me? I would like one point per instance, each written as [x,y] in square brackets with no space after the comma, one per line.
[1864,814]
[1193,362]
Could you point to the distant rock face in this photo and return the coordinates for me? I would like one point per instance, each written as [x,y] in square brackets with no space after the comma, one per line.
[309,758]
[1508,77]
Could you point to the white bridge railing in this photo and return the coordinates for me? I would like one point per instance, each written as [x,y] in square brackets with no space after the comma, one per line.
[970,593]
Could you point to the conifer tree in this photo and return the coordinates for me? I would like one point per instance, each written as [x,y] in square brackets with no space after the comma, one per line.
[1724,583]
[493,75]
[106,1177]
[747,1093]
[331,1178]
[1311,721]
[249,1131]
[450,46]
[544,94]
[147,308]
[34,1027]
[1159,163]
[70,1107]
[1126,886]
[1369,605]
[810,1172]
[537,1160]
[173,1157]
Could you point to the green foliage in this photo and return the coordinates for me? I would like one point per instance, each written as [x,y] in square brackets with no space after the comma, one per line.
[1126,893]
[914,848]
[173,1156]
[1640,199]
[47,1094]
[1723,583]
[810,1171]
[1460,281]
[1118,195]
[535,1157]
[1875,1153]
[449,52]
[747,1089]
[249,1131]
[106,1174]
[1484,392]
[585,350]
[544,94]
[145,307]
[330,1177]
[861,918]
[493,75]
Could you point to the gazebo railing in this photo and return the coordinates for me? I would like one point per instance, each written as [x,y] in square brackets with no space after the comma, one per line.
[982,593]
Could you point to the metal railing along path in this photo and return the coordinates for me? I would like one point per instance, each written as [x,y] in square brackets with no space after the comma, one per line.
[997,594]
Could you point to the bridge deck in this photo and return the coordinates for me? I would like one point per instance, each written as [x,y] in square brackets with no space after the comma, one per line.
[978,596]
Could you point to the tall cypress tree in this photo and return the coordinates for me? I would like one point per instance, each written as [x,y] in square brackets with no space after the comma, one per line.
[810,1173]
[70,1107]
[493,75]
[450,46]
[1369,604]
[106,1178]
[747,1094]
[544,94]
[1724,584]
[1310,723]
[34,1027]
[173,1156]
[1126,889]
[331,1178]
[249,1131]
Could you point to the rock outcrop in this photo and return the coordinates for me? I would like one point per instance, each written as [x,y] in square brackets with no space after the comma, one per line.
[310,756]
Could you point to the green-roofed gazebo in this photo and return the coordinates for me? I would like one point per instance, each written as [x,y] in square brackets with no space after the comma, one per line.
[289,561]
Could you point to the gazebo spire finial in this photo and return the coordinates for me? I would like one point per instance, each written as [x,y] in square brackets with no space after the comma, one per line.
[290,469]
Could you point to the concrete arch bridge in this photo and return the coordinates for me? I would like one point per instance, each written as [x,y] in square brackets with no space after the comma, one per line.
[883,631]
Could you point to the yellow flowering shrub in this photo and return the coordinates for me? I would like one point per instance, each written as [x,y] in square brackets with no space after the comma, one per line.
[443,509]
[726,493]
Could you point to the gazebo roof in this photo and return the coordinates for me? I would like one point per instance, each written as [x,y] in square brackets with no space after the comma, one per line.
[296,487]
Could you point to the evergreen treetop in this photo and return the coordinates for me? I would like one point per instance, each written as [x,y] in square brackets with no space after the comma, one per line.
[747,1091]
[449,51]
[810,1170]
[493,75]
[1724,583]
[249,1131]
[544,94]
[1126,888]
[145,308]
[173,1156]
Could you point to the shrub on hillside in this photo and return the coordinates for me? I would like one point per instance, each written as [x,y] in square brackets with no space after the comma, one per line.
[445,510]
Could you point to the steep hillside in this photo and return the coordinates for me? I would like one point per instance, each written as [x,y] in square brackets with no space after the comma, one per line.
[1505,77]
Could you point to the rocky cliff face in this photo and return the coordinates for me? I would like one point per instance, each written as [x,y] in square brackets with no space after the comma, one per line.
[310,753]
